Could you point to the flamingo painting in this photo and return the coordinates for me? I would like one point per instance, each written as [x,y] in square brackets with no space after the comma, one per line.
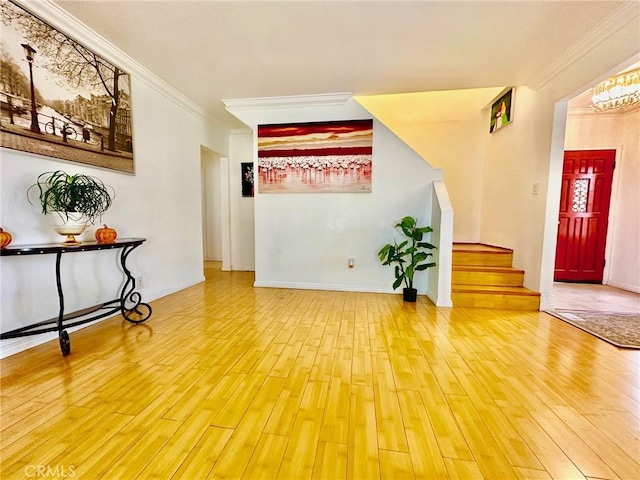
[319,157]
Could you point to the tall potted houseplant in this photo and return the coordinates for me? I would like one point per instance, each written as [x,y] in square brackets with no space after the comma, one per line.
[76,200]
[409,257]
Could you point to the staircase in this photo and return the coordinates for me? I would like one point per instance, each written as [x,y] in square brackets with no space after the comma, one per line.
[482,277]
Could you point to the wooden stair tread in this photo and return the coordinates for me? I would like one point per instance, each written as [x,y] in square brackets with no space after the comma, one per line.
[484,268]
[481,255]
[493,290]
[479,248]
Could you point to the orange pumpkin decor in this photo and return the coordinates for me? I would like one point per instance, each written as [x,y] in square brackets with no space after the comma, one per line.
[106,235]
[5,238]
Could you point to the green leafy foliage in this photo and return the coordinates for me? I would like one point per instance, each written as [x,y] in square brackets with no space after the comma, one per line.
[410,255]
[65,194]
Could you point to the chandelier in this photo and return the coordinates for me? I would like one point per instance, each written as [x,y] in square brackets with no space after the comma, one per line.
[619,91]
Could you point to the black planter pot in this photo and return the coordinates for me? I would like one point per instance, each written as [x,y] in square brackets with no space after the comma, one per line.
[409,294]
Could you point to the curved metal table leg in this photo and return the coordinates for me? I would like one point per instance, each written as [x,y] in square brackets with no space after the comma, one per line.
[131,305]
[63,336]
[65,343]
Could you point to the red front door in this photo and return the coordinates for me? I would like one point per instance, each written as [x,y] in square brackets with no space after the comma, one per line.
[584,215]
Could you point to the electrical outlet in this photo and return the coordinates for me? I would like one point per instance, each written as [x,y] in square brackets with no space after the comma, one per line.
[140,282]
[535,188]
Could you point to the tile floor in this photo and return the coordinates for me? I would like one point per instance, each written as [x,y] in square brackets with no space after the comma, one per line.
[602,298]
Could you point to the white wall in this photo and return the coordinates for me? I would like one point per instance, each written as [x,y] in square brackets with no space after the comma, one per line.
[516,157]
[212,204]
[448,129]
[161,202]
[242,208]
[305,240]
[619,131]
[456,147]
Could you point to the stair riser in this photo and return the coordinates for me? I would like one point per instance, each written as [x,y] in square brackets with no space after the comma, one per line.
[511,279]
[499,287]
[497,301]
[484,259]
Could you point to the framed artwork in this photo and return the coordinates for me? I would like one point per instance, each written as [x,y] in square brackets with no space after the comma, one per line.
[502,110]
[318,157]
[247,179]
[60,99]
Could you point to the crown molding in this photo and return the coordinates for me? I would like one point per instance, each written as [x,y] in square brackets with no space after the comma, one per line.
[626,13]
[56,16]
[294,101]
[241,132]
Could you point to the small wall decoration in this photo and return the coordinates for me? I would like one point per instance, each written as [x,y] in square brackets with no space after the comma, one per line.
[60,99]
[247,179]
[502,110]
[319,157]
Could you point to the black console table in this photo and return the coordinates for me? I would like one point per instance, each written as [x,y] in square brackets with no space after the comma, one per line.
[129,304]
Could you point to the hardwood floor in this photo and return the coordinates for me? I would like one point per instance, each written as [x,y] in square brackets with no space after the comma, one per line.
[229,381]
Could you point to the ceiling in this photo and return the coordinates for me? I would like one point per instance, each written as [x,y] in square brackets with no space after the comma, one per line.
[214,50]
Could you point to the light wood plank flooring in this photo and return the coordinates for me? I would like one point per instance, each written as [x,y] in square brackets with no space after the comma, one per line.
[229,381]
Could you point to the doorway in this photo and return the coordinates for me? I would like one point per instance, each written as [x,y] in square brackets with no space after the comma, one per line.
[215,208]
[577,127]
[585,199]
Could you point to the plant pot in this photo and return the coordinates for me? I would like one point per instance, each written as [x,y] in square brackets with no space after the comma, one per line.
[409,294]
[69,227]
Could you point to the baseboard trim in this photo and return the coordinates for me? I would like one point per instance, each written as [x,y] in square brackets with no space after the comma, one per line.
[624,286]
[16,345]
[342,288]
[322,286]
[439,303]
[155,295]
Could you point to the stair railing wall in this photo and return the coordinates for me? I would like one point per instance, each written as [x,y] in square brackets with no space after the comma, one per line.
[439,289]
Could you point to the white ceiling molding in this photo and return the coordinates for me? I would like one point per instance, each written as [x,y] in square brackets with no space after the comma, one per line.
[56,16]
[294,101]
[241,131]
[626,13]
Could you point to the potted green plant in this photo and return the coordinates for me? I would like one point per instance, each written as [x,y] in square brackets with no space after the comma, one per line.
[77,200]
[409,257]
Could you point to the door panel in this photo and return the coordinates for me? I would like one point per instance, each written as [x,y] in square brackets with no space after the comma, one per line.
[584,215]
